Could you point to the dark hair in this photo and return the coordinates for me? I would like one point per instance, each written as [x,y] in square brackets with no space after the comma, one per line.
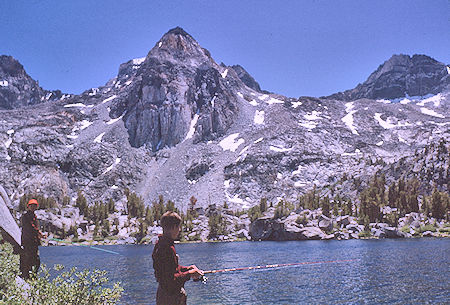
[170,219]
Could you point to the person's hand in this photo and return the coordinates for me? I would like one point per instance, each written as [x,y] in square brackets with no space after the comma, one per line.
[195,273]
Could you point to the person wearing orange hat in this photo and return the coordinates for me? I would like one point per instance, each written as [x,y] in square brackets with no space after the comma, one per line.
[31,239]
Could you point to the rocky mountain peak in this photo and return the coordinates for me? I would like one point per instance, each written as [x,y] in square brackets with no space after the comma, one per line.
[178,89]
[246,78]
[400,76]
[17,88]
[9,66]
[176,45]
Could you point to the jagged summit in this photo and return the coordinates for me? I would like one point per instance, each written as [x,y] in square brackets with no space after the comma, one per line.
[248,80]
[178,31]
[177,45]
[399,76]
[17,88]
[9,66]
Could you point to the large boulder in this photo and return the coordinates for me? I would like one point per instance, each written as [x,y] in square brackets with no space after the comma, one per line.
[391,232]
[343,220]
[355,228]
[312,233]
[377,233]
[325,223]
[261,228]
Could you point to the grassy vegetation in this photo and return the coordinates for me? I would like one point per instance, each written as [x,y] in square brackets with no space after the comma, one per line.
[425,228]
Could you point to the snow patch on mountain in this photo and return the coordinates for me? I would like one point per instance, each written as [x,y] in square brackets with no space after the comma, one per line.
[273,100]
[348,119]
[224,73]
[109,99]
[435,99]
[235,199]
[4,83]
[263,97]
[431,112]
[296,104]
[117,161]
[253,103]
[259,117]
[230,143]
[313,116]
[226,184]
[310,125]
[74,105]
[387,124]
[405,101]
[112,121]
[194,120]
[279,148]
[8,142]
[137,62]
[98,139]
[84,124]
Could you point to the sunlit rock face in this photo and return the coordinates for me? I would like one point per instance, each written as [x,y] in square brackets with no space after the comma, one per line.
[177,82]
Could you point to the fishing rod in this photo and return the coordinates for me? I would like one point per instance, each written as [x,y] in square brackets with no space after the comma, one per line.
[78,244]
[204,279]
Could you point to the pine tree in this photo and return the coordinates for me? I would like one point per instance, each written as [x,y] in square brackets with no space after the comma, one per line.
[263,204]
[81,203]
[437,206]
[106,228]
[111,206]
[325,204]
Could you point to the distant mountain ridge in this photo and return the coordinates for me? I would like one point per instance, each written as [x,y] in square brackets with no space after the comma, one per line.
[176,123]
[401,76]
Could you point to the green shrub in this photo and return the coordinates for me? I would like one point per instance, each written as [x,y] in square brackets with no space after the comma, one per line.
[427,228]
[301,220]
[67,287]
[405,229]
[364,234]
[444,229]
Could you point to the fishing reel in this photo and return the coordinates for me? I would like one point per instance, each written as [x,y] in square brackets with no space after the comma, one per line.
[202,279]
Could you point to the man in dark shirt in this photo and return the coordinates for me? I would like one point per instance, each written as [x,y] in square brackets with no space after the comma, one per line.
[31,239]
[170,275]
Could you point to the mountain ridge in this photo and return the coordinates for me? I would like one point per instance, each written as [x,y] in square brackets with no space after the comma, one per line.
[176,123]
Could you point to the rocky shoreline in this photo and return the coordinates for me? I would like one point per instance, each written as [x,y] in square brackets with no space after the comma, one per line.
[301,224]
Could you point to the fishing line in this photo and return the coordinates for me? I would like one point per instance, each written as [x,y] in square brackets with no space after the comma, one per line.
[78,244]
[266,267]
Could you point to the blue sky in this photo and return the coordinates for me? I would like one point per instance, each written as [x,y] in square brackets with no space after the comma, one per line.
[290,47]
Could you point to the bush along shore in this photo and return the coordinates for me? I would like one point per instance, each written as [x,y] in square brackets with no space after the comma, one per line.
[397,210]
[61,287]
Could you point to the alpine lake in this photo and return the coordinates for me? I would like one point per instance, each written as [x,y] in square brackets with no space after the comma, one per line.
[406,271]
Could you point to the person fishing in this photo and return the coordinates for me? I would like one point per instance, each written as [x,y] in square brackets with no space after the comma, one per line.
[31,239]
[170,275]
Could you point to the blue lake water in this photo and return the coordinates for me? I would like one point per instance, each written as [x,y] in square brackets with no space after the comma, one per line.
[411,271]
